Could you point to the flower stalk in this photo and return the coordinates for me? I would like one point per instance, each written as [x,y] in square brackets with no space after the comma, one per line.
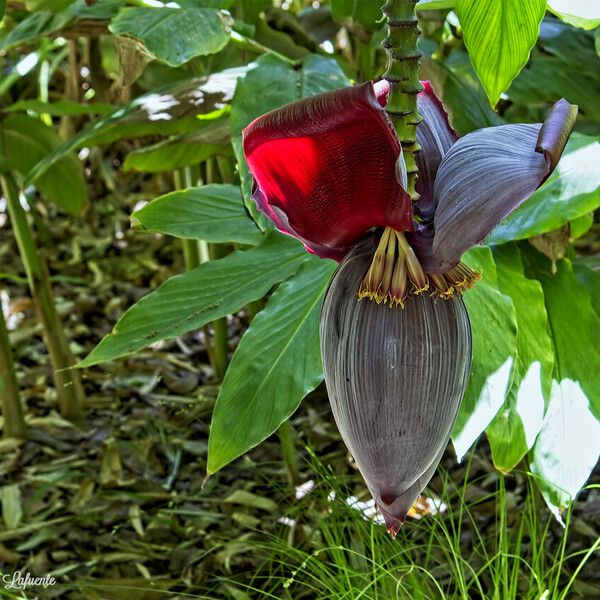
[403,76]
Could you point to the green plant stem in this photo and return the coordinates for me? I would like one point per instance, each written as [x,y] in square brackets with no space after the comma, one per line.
[403,75]
[221,338]
[12,409]
[254,307]
[195,252]
[290,458]
[69,391]
[225,169]
[216,251]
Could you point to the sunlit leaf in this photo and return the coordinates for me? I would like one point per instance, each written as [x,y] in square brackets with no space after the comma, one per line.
[275,365]
[192,299]
[579,13]
[568,445]
[494,328]
[499,36]
[514,429]
[214,213]
[169,110]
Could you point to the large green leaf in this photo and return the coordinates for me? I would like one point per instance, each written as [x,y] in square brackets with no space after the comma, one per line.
[514,429]
[568,445]
[172,109]
[275,365]
[579,13]
[208,292]
[174,35]
[494,328]
[499,36]
[570,192]
[182,150]
[214,213]
[271,84]
[24,141]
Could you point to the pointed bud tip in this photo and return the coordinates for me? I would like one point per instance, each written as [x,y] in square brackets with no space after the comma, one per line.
[392,522]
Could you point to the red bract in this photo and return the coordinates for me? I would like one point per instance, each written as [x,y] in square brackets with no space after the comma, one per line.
[324,169]
[328,168]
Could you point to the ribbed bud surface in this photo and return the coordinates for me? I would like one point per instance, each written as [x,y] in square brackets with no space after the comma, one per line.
[395,380]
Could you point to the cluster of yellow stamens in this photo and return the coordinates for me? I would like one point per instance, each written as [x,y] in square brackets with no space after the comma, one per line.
[396,272]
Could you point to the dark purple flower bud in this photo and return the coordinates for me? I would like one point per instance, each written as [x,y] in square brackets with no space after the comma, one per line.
[395,380]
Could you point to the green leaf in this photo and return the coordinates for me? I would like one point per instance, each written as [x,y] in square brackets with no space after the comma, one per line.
[568,445]
[174,108]
[514,429]
[214,213]
[174,35]
[189,301]
[275,365]
[24,141]
[579,13]
[570,192]
[60,108]
[10,500]
[499,36]
[34,26]
[271,84]
[2,9]
[368,14]
[246,498]
[494,329]
[182,150]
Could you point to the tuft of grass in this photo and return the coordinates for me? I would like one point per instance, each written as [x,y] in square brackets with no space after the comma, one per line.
[485,545]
